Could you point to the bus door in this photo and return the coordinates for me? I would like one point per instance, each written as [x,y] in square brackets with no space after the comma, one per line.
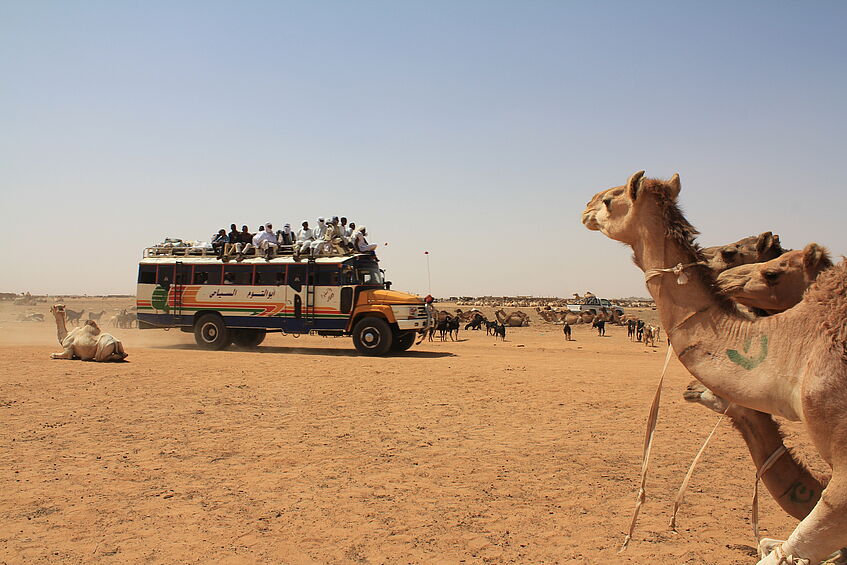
[182,277]
[299,316]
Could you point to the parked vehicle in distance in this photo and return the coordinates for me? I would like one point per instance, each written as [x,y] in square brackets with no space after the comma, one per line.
[593,304]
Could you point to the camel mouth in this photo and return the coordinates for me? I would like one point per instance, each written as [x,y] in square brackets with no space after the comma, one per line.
[589,221]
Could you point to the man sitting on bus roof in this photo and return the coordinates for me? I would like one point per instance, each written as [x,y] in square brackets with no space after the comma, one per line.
[361,243]
[285,236]
[234,244]
[305,236]
[320,231]
[219,242]
[248,242]
[265,241]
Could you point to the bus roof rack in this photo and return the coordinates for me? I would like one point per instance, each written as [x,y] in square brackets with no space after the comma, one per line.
[181,249]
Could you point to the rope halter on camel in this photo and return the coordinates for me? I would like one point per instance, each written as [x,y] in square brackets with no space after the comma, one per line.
[681,277]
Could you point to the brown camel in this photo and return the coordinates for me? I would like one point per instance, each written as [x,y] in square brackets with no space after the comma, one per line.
[753,249]
[516,319]
[791,483]
[792,364]
[776,285]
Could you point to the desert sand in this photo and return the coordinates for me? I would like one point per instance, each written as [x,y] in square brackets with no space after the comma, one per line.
[475,451]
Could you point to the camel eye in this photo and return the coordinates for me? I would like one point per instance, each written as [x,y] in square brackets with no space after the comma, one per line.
[607,202]
[771,276]
[729,253]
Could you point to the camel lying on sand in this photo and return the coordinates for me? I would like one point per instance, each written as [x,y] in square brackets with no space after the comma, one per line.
[516,319]
[85,342]
[791,364]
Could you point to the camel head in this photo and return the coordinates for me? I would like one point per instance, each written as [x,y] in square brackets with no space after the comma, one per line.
[778,284]
[57,309]
[620,211]
[753,249]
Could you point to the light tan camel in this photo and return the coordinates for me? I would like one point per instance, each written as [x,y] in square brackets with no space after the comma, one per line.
[85,342]
[516,319]
[776,285]
[792,364]
[753,249]
[791,483]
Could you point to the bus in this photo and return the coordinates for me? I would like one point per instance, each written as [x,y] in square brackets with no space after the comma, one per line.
[225,303]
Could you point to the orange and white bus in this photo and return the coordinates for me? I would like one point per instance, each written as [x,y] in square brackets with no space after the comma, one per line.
[225,303]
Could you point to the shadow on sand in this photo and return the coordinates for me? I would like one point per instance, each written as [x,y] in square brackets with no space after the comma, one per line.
[326,351]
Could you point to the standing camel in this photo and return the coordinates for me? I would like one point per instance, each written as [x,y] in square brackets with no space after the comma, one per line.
[96,315]
[791,364]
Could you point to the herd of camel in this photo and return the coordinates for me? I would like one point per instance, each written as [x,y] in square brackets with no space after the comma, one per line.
[763,331]
[123,319]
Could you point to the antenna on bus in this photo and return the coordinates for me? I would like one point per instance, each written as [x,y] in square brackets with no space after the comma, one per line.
[428,277]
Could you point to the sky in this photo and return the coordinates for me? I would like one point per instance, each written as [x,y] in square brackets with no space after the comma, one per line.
[474,130]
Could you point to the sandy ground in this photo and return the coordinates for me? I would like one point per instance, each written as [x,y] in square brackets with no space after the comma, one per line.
[476,451]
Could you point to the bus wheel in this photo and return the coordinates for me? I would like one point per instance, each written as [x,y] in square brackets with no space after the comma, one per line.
[403,341]
[372,336]
[248,338]
[210,332]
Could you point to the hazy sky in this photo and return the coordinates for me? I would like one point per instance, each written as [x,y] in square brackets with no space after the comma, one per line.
[474,130]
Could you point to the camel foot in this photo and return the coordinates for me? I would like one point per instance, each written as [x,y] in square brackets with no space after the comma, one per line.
[774,555]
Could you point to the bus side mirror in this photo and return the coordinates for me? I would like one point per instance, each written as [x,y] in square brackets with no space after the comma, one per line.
[388,285]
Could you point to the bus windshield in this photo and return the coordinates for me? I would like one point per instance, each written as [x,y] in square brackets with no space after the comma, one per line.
[370,275]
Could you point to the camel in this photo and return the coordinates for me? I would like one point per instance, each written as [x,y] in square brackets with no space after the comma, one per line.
[516,319]
[776,285]
[32,317]
[73,317]
[792,364]
[791,483]
[85,342]
[96,315]
[753,249]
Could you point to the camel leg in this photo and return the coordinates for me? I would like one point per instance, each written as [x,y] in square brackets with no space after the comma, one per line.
[66,354]
[820,533]
[109,351]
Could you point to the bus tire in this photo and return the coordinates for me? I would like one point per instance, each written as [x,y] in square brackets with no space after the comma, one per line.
[372,336]
[210,332]
[403,341]
[248,338]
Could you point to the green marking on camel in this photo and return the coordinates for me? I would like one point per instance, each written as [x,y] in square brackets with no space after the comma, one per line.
[749,362]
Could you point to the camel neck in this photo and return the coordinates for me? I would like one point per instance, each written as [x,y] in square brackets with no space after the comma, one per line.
[61,326]
[676,301]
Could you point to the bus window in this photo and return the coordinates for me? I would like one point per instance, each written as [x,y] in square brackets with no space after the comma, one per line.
[147,274]
[268,275]
[165,275]
[370,276]
[238,274]
[327,275]
[348,274]
[207,274]
[296,276]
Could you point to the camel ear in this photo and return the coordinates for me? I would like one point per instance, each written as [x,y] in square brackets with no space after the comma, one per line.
[633,185]
[674,186]
[764,242]
[815,256]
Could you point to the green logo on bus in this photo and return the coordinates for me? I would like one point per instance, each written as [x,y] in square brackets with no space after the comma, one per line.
[159,300]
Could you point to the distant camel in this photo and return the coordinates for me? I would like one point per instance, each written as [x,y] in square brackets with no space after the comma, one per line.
[73,317]
[566,329]
[96,315]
